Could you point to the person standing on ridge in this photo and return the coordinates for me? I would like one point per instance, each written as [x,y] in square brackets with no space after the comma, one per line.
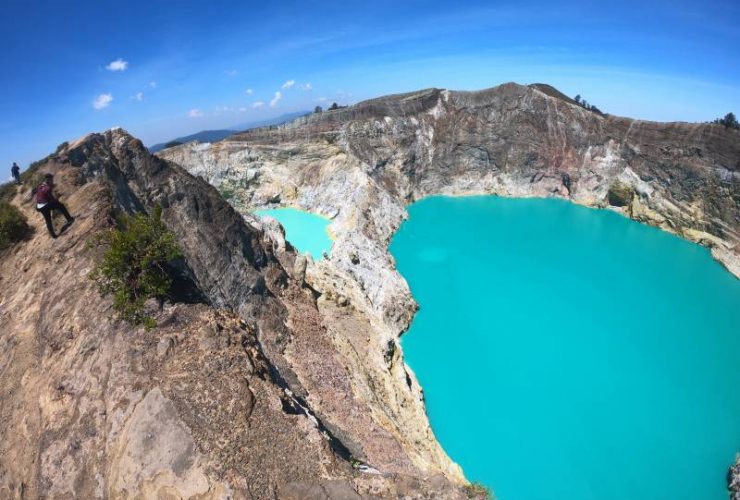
[15,170]
[46,202]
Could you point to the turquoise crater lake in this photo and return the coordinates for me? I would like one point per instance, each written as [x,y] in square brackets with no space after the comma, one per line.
[572,354]
[306,231]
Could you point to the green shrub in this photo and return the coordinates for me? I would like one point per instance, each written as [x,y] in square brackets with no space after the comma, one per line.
[478,491]
[7,191]
[134,268]
[13,225]
[227,192]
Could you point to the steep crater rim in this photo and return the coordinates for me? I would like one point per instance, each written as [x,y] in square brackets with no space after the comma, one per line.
[363,165]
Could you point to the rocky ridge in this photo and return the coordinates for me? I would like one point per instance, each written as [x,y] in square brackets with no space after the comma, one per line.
[511,140]
[254,385]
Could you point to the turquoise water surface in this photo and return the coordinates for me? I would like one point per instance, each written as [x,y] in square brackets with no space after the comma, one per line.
[572,354]
[307,232]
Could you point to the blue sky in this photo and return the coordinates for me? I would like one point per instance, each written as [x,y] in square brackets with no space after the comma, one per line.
[162,69]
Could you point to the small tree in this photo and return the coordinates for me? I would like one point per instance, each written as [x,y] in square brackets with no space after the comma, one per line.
[729,121]
[577,98]
[317,109]
[134,266]
[334,106]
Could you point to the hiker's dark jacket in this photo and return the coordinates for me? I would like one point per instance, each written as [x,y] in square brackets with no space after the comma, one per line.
[44,194]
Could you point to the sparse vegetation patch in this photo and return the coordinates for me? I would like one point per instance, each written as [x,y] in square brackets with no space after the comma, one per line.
[586,105]
[13,225]
[728,121]
[479,492]
[134,268]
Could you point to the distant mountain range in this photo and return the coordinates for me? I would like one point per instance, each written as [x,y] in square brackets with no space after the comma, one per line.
[217,135]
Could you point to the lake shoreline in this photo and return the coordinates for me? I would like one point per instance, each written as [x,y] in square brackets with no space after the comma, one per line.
[428,339]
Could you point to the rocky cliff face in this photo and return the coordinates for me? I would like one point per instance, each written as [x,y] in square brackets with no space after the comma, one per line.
[254,386]
[361,166]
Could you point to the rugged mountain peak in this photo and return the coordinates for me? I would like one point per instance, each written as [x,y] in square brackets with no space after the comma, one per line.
[229,270]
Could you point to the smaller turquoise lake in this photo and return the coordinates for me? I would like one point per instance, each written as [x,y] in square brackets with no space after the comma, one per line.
[572,354]
[307,232]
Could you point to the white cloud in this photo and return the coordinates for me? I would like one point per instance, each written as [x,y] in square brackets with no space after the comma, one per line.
[248,92]
[258,104]
[307,86]
[117,65]
[231,72]
[153,85]
[195,113]
[322,99]
[102,101]
[288,84]
[242,110]
[275,100]
[138,96]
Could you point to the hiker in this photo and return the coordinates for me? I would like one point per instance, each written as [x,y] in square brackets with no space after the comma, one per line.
[46,202]
[15,170]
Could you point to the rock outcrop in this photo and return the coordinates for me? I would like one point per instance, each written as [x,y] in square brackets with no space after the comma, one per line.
[247,388]
[733,479]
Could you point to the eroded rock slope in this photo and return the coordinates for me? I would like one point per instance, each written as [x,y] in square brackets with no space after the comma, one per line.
[362,165]
[254,385]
